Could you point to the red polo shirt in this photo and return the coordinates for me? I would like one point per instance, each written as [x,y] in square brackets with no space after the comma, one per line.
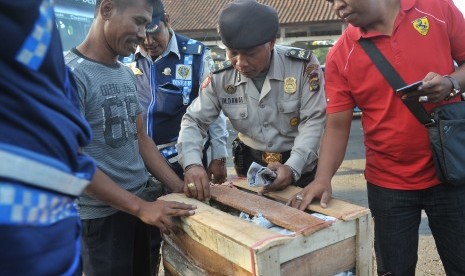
[398,154]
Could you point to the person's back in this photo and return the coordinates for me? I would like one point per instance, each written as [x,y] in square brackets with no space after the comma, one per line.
[41,132]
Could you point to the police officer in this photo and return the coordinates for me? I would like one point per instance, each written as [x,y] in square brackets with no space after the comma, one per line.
[273,96]
[169,69]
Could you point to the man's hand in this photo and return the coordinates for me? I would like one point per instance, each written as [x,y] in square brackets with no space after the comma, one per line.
[316,189]
[217,172]
[284,179]
[435,88]
[196,183]
[159,213]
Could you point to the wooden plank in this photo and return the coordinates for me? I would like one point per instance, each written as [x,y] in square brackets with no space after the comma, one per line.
[301,245]
[277,213]
[267,262]
[364,245]
[176,264]
[227,235]
[181,251]
[336,208]
[327,261]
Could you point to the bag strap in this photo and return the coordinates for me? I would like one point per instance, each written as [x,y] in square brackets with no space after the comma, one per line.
[391,75]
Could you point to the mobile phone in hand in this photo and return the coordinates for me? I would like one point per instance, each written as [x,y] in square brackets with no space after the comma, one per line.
[409,88]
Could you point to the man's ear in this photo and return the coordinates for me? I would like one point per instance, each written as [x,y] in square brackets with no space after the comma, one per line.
[272,43]
[167,20]
[106,8]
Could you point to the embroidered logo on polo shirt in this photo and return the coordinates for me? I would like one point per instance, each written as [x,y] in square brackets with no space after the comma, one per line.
[421,25]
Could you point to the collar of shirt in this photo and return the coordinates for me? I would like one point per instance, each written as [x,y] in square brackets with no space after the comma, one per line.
[355,33]
[274,72]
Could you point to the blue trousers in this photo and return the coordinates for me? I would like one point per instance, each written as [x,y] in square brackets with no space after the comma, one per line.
[397,216]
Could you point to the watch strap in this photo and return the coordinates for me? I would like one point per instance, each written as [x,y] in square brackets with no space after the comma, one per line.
[455,87]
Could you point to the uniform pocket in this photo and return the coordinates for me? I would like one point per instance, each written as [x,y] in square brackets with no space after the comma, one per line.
[169,99]
[289,117]
[235,112]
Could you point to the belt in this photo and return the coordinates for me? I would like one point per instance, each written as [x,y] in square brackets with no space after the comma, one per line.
[265,157]
[40,175]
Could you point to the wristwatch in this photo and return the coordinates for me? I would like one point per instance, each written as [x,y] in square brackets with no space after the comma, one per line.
[455,87]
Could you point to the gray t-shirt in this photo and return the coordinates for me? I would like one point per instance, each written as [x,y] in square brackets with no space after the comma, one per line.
[108,100]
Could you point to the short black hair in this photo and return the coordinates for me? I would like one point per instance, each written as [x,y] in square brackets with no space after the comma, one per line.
[118,3]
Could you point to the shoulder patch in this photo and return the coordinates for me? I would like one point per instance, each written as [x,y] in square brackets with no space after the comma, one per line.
[192,49]
[301,54]
[222,66]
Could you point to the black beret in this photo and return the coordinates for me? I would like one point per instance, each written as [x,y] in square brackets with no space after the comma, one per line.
[245,24]
[157,16]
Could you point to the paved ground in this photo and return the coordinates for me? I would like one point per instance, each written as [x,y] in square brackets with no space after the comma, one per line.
[349,184]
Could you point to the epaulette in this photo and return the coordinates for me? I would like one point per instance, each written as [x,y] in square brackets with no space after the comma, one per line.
[222,66]
[192,49]
[301,54]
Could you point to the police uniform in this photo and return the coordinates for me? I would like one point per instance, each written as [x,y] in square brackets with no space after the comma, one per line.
[286,115]
[284,121]
[167,86]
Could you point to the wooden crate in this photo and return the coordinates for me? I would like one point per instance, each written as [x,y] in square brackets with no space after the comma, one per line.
[213,242]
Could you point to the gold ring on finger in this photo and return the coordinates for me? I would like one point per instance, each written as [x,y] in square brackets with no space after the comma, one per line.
[299,197]
[190,185]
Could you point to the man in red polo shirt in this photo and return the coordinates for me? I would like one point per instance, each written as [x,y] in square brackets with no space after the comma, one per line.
[421,39]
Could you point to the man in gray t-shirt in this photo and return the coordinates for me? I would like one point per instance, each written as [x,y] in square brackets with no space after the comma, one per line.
[114,242]
[108,101]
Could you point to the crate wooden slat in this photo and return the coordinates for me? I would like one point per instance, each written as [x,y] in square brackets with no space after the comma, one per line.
[213,242]
[336,208]
[276,212]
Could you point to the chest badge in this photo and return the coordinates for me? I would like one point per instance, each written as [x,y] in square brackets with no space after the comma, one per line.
[290,85]
[421,25]
[136,71]
[183,72]
[166,71]
[230,89]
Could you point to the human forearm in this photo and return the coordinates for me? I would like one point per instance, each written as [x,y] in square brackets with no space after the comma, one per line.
[155,162]
[106,190]
[159,168]
[334,144]
[190,142]
[218,137]
[157,213]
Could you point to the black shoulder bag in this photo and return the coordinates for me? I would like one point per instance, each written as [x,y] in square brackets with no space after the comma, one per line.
[445,124]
